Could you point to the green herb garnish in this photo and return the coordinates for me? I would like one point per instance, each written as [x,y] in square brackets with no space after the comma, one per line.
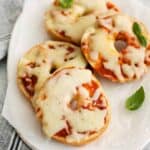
[136,100]
[137,31]
[66,3]
[142,40]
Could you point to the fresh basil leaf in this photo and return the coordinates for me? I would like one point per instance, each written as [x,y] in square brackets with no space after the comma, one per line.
[142,40]
[136,28]
[66,3]
[137,31]
[136,100]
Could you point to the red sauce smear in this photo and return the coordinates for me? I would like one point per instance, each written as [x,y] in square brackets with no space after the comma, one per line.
[99,67]
[62,133]
[95,104]
[91,87]
[29,83]
[65,131]
[99,104]
[112,6]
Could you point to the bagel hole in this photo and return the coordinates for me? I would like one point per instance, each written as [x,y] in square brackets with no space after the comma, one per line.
[120,45]
[52,70]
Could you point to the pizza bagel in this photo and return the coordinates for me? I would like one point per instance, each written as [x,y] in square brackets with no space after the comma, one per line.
[42,60]
[72,107]
[69,24]
[116,48]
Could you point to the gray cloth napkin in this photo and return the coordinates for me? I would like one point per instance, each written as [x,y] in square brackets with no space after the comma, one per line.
[9,11]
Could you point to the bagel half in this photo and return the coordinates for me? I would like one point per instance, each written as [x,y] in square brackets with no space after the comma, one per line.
[69,24]
[42,60]
[72,107]
[119,62]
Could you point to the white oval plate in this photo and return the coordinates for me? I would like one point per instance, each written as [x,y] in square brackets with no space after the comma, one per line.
[127,131]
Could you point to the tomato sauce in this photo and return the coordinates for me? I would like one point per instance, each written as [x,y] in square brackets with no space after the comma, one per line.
[112,6]
[91,87]
[65,131]
[29,83]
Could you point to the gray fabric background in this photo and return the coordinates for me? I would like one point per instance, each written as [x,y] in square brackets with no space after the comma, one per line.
[9,10]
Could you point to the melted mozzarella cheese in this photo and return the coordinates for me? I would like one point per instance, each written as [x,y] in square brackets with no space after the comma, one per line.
[99,5]
[87,120]
[77,18]
[137,57]
[128,70]
[76,29]
[76,136]
[84,92]
[106,23]
[107,51]
[96,94]
[54,58]
[123,23]
[102,44]
[94,55]
[60,90]
[135,54]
